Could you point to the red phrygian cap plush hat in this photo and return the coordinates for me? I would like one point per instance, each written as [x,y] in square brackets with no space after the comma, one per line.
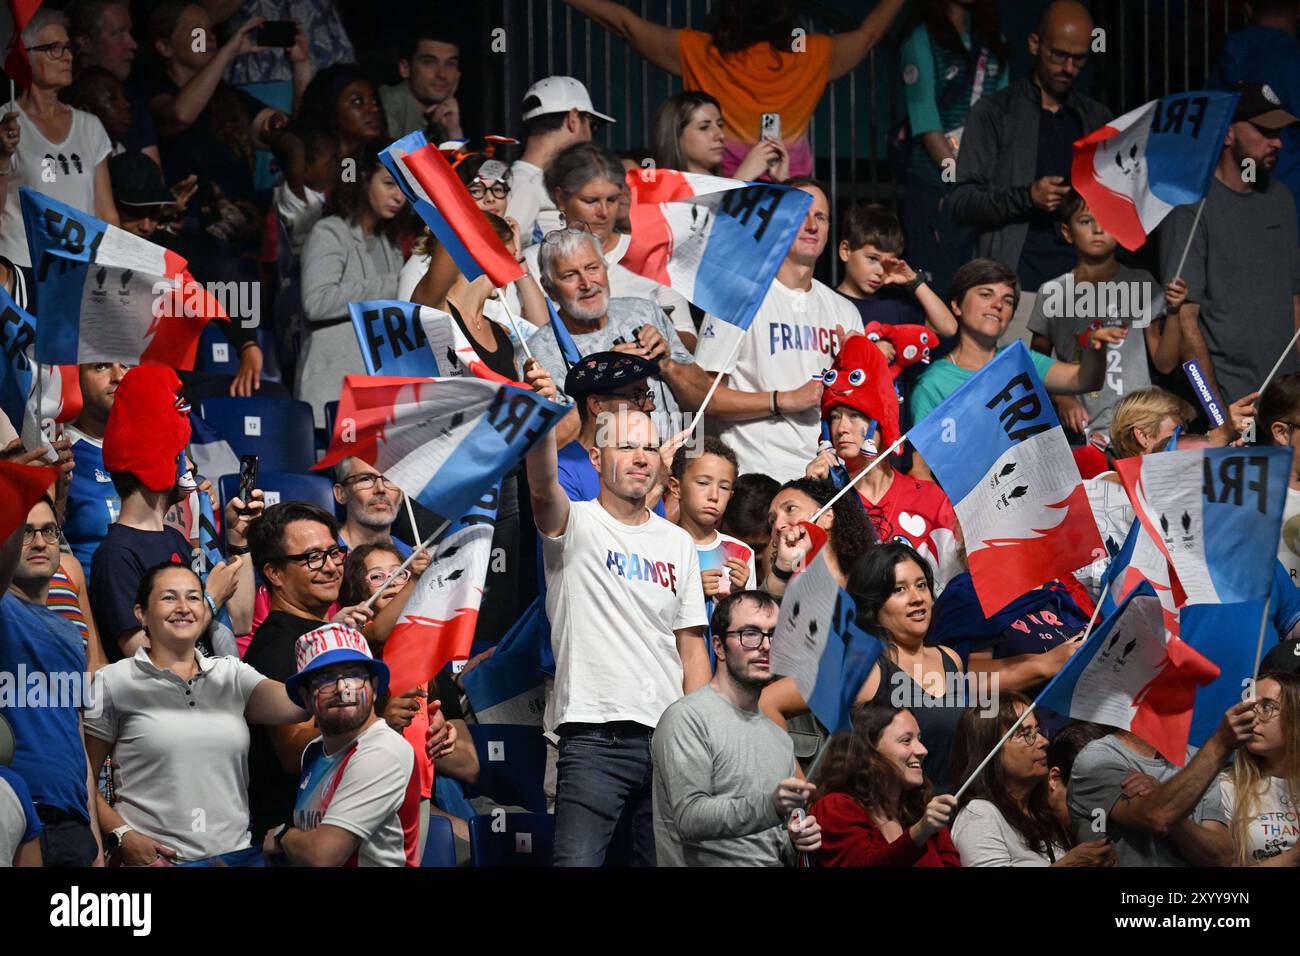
[148,426]
[860,379]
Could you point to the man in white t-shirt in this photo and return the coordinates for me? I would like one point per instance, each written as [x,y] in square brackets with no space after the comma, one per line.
[627,626]
[358,802]
[772,412]
[1278,424]
[557,112]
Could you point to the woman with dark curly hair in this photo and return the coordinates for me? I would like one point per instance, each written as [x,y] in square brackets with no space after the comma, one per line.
[340,99]
[351,255]
[1006,817]
[876,807]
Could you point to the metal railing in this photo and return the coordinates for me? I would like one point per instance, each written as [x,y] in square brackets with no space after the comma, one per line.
[1153,47]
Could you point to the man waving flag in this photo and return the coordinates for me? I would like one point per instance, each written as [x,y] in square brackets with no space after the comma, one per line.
[997,447]
[716,241]
[107,295]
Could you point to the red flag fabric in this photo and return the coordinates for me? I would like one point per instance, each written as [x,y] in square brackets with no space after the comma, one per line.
[14,17]
[21,486]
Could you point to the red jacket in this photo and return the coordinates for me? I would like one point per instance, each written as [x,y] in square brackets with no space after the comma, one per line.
[850,838]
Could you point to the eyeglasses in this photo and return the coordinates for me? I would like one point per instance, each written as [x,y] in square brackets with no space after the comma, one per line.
[556,235]
[352,680]
[1266,709]
[499,190]
[56,51]
[1026,735]
[378,576]
[49,532]
[752,637]
[366,482]
[315,560]
[597,124]
[1058,58]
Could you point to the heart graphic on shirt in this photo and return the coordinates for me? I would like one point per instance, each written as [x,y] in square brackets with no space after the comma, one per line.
[914,525]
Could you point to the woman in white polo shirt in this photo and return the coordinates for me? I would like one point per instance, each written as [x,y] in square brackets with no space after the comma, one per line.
[175,724]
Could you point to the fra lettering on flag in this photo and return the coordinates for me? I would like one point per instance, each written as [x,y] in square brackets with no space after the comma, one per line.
[999,451]
[1132,674]
[508,687]
[443,202]
[107,295]
[443,441]
[405,339]
[1215,514]
[1134,170]
[60,390]
[818,644]
[437,623]
[716,241]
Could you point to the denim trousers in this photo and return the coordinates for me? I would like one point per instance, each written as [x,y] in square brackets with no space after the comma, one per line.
[603,792]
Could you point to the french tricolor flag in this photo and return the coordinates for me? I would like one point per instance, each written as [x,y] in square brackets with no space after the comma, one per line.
[1134,170]
[1215,514]
[818,644]
[1133,674]
[443,441]
[998,449]
[717,242]
[402,338]
[59,397]
[443,202]
[106,295]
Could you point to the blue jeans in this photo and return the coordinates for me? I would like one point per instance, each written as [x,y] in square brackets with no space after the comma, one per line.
[603,779]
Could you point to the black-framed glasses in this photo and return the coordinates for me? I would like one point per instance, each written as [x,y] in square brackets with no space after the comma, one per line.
[1026,735]
[366,482]
[50,532]
[478,190]
[315,559]
[752,637]
[56,51]
[1058,58]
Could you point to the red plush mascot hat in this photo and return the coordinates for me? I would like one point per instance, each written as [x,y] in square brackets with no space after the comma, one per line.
[148,426]
[860,379]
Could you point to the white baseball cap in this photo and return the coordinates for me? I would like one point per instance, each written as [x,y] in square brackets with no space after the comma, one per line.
[559,94]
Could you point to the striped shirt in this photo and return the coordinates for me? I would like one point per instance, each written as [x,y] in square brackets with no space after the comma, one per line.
[65,600]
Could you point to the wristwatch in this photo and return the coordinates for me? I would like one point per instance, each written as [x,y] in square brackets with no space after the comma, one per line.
[114,839]
[279,835]
[917,281]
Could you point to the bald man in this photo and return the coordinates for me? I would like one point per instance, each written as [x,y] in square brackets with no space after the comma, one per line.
[1013,168]
[627,618]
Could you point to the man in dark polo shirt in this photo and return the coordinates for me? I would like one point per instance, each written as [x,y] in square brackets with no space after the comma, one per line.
[295,546]
[1013,168]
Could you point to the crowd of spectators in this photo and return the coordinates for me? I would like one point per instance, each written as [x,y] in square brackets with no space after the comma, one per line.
[243,716]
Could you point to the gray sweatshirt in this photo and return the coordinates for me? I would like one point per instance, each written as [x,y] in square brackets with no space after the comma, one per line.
[715,768]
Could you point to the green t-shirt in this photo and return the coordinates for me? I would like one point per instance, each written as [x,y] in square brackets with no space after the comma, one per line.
[943,378]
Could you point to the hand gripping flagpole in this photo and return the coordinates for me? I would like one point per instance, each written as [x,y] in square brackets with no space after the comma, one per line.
[858,477]
[370,601]
[1030,709]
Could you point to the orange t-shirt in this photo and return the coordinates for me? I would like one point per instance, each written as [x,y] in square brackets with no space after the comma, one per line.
[759,80]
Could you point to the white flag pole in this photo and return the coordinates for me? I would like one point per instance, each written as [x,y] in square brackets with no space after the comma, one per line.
[1259,647]
[370,601]
[410,514]
[1030,709]
[717,380]
[858,477]
[1190,235]
[514,323]
[1280,359]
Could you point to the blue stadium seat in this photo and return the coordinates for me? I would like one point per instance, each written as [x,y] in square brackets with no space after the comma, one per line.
[527,839]
[279,431]
[216,354]
[440,844]
[280,486]
[512,765]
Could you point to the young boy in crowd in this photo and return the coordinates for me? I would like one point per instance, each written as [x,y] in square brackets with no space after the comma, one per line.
[1103,291]
[702,484]
[884,288]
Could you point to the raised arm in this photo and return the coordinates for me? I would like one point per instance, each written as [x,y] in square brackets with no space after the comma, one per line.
[655,43]
[849,49]
[270,704]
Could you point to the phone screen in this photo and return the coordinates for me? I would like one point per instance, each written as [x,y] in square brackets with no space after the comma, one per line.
[247,476]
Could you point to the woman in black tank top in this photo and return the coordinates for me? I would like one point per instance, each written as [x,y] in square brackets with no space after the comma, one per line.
[894,589]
